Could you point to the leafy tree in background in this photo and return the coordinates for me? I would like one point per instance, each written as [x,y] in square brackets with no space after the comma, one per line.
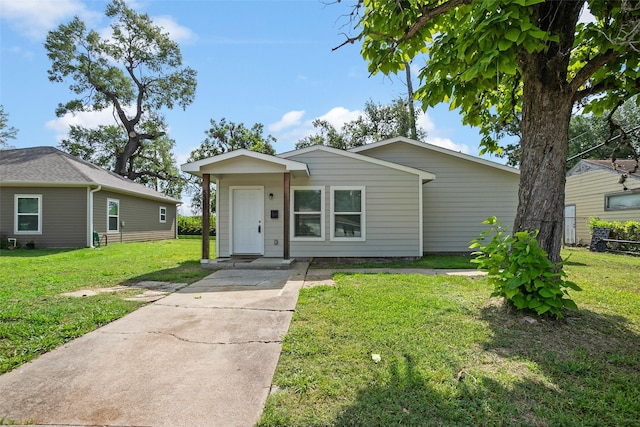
[223,137]
[137,71]
[6,132]
[587,131]
[378,122]
[155,161]
[497,61]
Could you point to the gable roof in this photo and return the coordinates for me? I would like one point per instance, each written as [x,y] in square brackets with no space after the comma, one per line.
[437,149]
[50,167]
[620,167]
[425,176]
[195,168]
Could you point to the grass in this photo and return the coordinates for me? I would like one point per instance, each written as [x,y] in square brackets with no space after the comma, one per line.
[427,261]
[451,356]
[35,318]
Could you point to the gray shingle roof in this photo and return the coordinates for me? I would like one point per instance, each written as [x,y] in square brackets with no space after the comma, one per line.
[40,166]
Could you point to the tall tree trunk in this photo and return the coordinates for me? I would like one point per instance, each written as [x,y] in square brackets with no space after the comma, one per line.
[546,112]
[412,110]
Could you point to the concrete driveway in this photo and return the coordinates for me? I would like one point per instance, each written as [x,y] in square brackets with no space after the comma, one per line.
[203,356]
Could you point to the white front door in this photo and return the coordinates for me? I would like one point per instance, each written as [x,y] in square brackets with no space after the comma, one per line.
[570,225]
[247,221]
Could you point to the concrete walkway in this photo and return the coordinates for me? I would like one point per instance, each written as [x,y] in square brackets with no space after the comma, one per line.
[203,356]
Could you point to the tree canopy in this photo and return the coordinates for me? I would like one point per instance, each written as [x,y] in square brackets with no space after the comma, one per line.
[136,70]
[223,137]
[6,132]
[614,135]
[377,123]
[153,163]
[503,61]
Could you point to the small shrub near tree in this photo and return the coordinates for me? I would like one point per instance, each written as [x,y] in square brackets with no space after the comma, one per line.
[521,271]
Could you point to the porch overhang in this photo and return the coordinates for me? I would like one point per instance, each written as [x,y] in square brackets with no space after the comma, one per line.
[244,162]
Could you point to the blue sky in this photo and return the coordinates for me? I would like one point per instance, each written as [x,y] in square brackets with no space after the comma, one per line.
[262,61]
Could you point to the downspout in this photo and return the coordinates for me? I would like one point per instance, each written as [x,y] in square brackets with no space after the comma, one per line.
[90,215]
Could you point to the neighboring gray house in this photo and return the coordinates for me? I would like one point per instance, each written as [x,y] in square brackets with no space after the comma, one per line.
[593,189]
[58,200]
[393,198]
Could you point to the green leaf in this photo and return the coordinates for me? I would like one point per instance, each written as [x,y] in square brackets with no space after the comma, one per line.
[512,34]
[569,303]
[504,44]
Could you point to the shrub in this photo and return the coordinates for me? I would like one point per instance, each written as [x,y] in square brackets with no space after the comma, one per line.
[192,225]
[629,230]
[521,272]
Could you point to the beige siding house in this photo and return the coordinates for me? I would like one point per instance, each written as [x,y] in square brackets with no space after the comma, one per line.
[593,189]
[394,198]
[58,200]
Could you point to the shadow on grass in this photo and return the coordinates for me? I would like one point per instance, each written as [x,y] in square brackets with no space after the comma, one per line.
[411,398]
[591,360]
[33,253]
[582,371]
[187,272]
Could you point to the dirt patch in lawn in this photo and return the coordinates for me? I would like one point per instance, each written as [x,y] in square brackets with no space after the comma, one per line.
[149,290]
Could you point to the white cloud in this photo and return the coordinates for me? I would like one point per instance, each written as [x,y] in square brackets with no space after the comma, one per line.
[292,118]
[177,32]
[338,116]
[34,18]
[90,119]
[425,122]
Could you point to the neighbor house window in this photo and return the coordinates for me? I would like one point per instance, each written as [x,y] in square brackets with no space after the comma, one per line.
[28,213]
[163,214]
[308,213]
[113,215]
[347,213]
[622,201]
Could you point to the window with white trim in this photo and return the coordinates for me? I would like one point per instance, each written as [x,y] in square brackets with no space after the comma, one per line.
[307,213]
[348,214]
[28,218]
[614,202]
[163,214]
[113,215]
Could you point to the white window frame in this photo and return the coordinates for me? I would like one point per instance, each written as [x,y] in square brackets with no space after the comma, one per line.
[608,196]
[17,214]
[117,202]
[163,214]
[292,227]
[362,213]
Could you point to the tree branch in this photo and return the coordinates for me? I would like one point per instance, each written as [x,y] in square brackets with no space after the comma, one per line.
[591,67]
[427,14]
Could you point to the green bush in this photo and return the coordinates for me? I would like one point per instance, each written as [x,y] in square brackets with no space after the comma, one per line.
[192,225]
[521,272]
[628,230]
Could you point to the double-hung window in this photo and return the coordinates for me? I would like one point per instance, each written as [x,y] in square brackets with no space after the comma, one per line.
[307,213]
[348,213]
[113,215]
[163,214]
[28,218]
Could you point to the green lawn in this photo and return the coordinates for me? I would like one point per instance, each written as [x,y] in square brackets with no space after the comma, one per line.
[449,355]
[34,318]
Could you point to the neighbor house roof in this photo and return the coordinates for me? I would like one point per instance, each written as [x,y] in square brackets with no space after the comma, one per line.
[50,167]
[620,167]
[425,176]
[427,146]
